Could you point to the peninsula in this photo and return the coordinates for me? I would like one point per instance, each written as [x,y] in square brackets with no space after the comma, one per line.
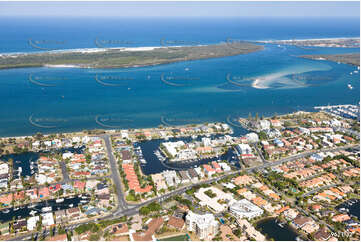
[350,58]
[123,57]
[327,42]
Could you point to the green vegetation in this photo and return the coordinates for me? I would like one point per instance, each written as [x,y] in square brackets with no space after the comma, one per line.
[210,194]
[87,227]
[152,207]
[352,58]
[113,58]
[183,237]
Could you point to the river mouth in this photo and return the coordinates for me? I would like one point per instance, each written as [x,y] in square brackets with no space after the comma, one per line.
[279,231]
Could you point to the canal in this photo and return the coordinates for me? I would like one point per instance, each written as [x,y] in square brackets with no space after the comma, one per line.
[42,207]
[352,207]
[154,165]
[277,231]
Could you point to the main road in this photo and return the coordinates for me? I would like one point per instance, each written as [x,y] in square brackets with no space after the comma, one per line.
[122,204]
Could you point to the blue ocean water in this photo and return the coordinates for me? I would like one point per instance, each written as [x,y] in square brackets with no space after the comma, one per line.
[68,99]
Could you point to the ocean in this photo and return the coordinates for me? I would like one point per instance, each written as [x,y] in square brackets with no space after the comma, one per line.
[52,100]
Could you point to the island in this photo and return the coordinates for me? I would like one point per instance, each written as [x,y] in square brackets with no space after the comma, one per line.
[125,57]
[327,42]
[350,58]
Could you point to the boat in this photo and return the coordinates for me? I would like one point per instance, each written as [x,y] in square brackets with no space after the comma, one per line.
[32,213]
[349,86]
[71,205]
[16,209]
[194,136]
[281,225]
[32,206]
[46,209]
[17,162]
[83,201]
[6,211]
[59,200]
[186,69]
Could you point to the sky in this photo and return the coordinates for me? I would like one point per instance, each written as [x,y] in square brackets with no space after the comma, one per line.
[182,9]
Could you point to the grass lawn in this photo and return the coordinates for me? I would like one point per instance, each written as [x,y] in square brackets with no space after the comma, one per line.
[183,237]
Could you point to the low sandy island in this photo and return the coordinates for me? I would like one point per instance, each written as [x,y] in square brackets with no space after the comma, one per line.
[125,57]
[351,58]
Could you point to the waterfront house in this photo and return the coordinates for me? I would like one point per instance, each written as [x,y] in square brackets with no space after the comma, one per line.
[44,192]
[31,223]
[6,199]
[60,216]
[73,213]
[301,221]
[47,219]
[20,225]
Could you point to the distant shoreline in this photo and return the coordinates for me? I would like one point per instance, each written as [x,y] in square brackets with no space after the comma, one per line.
[310,39]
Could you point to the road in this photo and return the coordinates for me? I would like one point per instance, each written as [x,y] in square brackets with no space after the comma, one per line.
[122,204]
[125,209]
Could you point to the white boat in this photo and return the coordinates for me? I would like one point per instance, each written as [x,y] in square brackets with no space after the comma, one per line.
[349,86]
[15,209]
[71,205]
[32,206]
[46,209]
[59,200]
[6,211]
[32,213]
[83,201]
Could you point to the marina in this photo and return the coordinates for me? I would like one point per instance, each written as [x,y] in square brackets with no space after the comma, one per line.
[42,207]
[156,162]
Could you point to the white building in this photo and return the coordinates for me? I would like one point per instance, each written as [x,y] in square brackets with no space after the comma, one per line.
[205,226]
[206,141]
[199,172]
[252,137]
[244,149]
[171,178]
[245,209]
[31,223]
[263,124]
[67,155]
[224,166]
[213,202]
[4,169]
[172,147]
[48,219]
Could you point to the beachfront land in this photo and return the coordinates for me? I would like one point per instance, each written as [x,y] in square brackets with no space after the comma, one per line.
[300,170]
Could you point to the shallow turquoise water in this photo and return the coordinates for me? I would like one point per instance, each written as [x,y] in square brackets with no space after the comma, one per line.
[68,99]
